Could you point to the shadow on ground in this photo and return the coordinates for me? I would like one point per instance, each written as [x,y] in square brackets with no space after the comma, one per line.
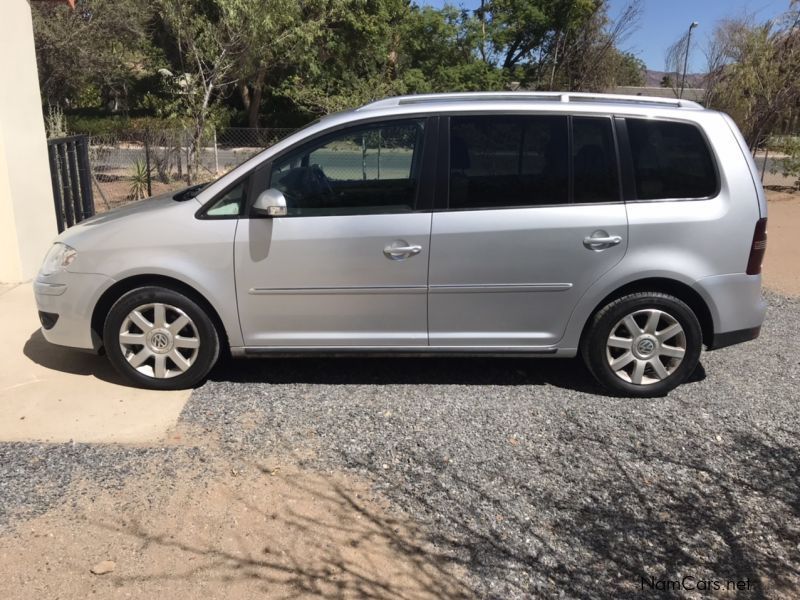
[570,374]
[564,373]
[649,516]
[70,360]
[259,531]
[612,533]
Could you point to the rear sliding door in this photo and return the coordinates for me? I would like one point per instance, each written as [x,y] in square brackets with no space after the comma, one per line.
[534,216]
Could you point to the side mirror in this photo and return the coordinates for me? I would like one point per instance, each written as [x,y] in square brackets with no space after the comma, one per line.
[271,203]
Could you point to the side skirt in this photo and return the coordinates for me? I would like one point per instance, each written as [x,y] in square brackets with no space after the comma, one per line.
[401,351]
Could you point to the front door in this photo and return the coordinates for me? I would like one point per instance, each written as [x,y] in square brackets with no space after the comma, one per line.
[534,217]
[348,264]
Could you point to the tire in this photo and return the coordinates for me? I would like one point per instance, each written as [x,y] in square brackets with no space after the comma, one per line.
[648,356]
[142,342]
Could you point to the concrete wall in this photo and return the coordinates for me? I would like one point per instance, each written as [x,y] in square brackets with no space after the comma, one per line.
[27,217]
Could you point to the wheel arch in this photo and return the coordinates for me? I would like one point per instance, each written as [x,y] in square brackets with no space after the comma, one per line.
[123,286]
[664,285]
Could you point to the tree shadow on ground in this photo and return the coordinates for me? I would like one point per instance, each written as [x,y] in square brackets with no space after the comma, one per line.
[605,532]
[324,540]
[649,515]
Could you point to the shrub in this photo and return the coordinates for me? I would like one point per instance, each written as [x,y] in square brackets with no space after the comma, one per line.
[138,189]
[789,165]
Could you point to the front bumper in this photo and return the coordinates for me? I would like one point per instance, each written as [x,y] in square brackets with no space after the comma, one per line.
[72,297]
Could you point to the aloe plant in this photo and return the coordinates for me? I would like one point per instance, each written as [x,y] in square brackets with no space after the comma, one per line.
[138,189]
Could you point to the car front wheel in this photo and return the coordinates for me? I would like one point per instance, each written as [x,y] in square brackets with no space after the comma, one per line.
[643,344]
[160,339]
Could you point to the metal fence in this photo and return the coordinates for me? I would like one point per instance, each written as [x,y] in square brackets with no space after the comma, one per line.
[128,166]
[70,175]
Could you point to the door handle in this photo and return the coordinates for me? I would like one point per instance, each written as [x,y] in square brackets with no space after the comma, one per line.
[611,240]
[600,239]
[401,249]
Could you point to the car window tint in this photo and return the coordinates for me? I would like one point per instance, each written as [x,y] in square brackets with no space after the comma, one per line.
[503,161]
[594,160]
[366,170]
[230,204]
[671,160]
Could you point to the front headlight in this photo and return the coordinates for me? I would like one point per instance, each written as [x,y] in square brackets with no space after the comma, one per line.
[58,258]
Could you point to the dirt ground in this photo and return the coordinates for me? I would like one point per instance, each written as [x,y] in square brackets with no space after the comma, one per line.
[782,262]
[260,530]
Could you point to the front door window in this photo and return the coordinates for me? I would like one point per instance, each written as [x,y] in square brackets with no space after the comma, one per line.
[367,170]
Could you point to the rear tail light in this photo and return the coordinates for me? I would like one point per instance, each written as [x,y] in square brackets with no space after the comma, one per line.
[758,248]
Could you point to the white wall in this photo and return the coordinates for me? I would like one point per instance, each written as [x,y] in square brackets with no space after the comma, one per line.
[27,216]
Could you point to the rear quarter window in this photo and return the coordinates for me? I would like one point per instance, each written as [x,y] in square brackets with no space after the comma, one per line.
[670,160]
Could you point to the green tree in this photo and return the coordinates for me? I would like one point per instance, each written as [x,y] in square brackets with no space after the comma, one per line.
[629,70]
[97,50]
[183,59]
[203,59]
[271,32]
[754,74]
[348,54]
[439,53]
[555,44]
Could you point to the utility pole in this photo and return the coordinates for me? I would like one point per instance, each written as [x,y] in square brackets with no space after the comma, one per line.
[686,56]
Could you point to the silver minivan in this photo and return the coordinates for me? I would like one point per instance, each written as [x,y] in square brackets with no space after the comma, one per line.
[629,230]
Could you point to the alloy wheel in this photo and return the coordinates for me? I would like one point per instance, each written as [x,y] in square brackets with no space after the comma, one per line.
[159,340]
[646,346]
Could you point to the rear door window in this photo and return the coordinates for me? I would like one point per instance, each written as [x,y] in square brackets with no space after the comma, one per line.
[507,161]
[594,160]
[670,160]
[501,161]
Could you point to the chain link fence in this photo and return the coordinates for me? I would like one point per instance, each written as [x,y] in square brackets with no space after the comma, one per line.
[133,165]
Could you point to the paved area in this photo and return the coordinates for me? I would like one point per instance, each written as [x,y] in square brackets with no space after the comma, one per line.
[56,394]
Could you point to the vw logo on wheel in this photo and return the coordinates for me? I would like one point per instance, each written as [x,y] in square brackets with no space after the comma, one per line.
[646,346]
[159,341]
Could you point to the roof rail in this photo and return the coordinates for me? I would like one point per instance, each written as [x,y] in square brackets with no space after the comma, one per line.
[578,97]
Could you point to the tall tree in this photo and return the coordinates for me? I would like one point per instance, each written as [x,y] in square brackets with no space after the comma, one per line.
[590,59]
[348,54]
[101,44]
[754,73]
[549,44]
[271,32]
[439,52]
[205,52]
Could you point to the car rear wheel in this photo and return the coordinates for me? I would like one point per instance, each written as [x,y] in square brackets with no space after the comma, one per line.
[160,339]
[643,344]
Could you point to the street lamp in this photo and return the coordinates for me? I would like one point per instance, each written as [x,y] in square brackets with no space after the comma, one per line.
[686,56]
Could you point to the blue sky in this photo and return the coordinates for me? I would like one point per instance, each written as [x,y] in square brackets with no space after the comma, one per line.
[663,21]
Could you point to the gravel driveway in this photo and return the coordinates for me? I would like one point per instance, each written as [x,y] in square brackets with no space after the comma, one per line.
[538,484]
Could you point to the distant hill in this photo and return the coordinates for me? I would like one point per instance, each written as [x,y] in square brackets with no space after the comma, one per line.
[653,78]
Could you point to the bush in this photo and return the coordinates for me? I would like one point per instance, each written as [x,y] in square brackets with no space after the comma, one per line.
[117,124]
[789,165]
[54,122]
